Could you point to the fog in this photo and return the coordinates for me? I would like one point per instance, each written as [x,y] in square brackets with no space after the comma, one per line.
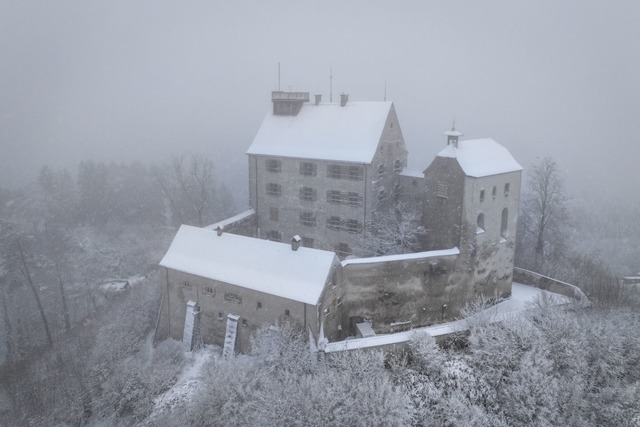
[142,80]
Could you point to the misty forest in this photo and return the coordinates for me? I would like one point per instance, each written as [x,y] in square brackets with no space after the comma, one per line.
[107,147]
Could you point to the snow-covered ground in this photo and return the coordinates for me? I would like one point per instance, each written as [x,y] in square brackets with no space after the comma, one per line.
[186,386]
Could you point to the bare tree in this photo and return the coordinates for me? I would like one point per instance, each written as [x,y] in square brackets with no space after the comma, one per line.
[544,210]
[394,231]
[189,186]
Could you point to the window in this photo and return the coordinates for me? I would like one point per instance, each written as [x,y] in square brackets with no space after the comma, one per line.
[355,199]
[381,170]
[482,195]
[185,284]
[220,316]
[308,194]
[308,219]
[334,223]
[397,166]
[274,235]
[504,223]
[244,323]
[443,190]
[494,192]
[356,173]
[307,242]
[327,311]
[274,189]
[339,302]
[236,299]
[273,165]
[274,213]
[382,195]
[480,224]
[334,171]
[342,250]
[209,291]
[334,197]
[308,169]
[352,173]
[287,312]
[354,226]
[258,305]
[506,190]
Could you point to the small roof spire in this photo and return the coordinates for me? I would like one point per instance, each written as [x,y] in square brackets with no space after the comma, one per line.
[452,135]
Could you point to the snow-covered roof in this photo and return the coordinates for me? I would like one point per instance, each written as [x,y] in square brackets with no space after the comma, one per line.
[324,132]
[481,157]
[411,173]
[225,222]
[264,266]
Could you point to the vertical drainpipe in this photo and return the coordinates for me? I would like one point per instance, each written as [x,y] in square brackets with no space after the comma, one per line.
[304,307]
[255,158]
[364,213]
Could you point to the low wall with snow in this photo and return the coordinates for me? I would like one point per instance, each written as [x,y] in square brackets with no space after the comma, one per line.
[243,224]
[527,277]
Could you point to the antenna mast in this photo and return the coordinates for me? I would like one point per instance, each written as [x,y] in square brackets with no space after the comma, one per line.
[330,84]
[278,77]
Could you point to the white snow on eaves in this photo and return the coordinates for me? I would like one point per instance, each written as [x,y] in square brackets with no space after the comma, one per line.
[481,157]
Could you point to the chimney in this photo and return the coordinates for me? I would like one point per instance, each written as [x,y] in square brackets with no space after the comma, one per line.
[295,242]
[344,98]
[318,99]
[219,230]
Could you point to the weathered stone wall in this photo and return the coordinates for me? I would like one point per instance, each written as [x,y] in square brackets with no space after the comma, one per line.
[396,293]
[225,299]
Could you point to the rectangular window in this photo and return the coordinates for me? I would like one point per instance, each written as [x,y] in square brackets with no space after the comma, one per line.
[397,166]
[327,311]
[381,170]
[185,284]
[308,219]
[274,214]
[309,194]
[209,291]
[236,299]
[482,195]
[443,190]
[287,312]
[244,323]
[334,223]
[334,197]
[308,169]
[274,235]
[274,189]
[220,316]
[258,305]
[334,171]
[355,199]
[382,195]
[506,190]
[273,165]
[354,226]
[356,173]
[307,242]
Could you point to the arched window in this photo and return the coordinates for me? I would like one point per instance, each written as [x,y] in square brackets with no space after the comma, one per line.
[480,224]
[503,224]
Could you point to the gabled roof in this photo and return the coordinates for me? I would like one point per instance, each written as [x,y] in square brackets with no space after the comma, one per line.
[481,157]
[324,132]
[264,266]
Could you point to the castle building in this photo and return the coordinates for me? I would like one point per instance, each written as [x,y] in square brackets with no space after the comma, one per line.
[319,173]
[321,170]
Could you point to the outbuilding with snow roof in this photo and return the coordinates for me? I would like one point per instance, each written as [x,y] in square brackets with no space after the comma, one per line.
[233,278]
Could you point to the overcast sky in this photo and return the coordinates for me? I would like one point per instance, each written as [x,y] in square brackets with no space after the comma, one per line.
[126,80]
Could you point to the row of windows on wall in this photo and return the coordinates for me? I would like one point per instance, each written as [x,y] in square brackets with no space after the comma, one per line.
[480,228]
[335,197]
[354,173]
[494,192]
[244,322]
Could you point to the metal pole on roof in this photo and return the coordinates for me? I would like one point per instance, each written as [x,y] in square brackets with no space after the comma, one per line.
[330,84]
